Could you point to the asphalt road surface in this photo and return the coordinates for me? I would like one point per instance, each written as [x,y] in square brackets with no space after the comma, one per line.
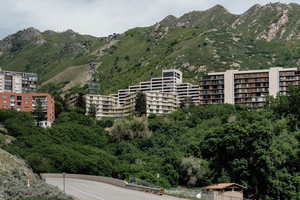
[89,190]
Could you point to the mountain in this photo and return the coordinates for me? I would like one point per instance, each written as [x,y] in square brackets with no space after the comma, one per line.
[198,42]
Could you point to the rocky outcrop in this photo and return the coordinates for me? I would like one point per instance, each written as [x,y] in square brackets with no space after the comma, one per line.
[269,22]
[169,21]
[17,181]
[276,28]
[215,16]
[18,40]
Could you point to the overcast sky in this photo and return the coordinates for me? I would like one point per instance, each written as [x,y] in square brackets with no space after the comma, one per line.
[102,17]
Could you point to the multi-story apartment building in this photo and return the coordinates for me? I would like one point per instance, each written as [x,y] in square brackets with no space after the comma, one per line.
[169,82]
[161,102]
[28,102]
[187,91]
[109,106]
[248,88]
[163,95]
[18,82]
[212,89]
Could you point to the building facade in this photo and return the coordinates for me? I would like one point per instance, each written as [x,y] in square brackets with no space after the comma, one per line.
[160,103]
[248,88]
[223,191]
[18,82]
[163,95]
[169,82]
[166,93]
[28,102]
[108,106]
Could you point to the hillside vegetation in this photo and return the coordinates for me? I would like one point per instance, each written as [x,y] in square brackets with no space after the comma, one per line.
[194,146]
[197,42]
[13,182]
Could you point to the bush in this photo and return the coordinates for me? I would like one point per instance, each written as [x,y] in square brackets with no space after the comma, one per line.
[130,129]
[193,171]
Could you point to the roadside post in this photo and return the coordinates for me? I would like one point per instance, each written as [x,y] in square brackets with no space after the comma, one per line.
[28,182]
[64,182]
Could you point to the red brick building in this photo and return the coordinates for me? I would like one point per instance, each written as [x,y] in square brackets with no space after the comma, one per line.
[27,102]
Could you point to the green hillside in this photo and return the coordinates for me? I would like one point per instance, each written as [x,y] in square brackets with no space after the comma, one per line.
[46,53]
[199,41]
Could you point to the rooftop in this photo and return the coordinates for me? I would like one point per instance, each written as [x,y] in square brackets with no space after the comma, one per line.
[220,186]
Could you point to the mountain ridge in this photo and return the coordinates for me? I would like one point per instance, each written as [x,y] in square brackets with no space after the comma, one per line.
[197,42]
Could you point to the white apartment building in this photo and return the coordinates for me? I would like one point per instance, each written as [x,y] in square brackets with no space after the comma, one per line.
[163,95]
[248,88]
[169,82]
[186,91]
[107,106]
[161,102]
[18,82]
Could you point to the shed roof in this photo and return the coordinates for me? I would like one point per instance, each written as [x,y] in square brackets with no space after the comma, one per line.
[222,186]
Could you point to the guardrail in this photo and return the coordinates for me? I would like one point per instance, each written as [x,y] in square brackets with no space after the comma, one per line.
[111,181]
[102,179]
[159,191]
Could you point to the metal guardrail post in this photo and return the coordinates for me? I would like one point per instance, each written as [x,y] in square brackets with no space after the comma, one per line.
[64,182]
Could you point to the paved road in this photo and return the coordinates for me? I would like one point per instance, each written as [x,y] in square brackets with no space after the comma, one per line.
[89,190]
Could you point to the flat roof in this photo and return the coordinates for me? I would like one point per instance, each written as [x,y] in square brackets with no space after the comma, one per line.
[254,71]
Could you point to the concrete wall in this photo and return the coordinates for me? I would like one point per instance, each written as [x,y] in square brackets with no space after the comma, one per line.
[232,195]
[274,81]
[228,195]
[229,86]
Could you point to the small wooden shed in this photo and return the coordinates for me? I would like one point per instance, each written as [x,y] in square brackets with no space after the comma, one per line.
[223,191]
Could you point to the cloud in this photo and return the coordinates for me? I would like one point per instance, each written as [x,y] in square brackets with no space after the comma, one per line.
[102,17]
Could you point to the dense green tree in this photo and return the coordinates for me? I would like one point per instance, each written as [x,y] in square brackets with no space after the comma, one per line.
[193,170]
[244,150]
[140,104]
[130,129]
[186,102]
[194,146]
[92,111]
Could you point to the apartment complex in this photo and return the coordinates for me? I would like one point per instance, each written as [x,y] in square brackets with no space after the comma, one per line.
[28,102]
[163,95]
[248,88]
[108,105]
[161,102]
[169,82]
[18,82]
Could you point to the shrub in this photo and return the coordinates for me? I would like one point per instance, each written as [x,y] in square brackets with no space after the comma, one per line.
[130,129]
